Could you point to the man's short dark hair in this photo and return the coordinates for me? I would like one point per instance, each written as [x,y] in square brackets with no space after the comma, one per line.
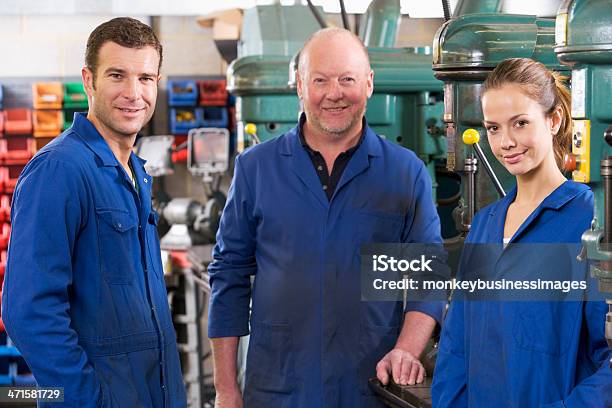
[124,31]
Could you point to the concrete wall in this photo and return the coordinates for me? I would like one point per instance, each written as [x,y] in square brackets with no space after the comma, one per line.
[54,46]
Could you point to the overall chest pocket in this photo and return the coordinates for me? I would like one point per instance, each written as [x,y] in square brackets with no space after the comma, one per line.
[119,245]
[378,226]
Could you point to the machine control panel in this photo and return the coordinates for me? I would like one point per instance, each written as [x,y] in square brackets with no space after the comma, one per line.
[581,151]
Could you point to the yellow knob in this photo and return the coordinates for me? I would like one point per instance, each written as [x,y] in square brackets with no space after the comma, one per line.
[250,128]
[471,136]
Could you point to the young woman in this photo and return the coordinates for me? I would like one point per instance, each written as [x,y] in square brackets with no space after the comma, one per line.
[527,354]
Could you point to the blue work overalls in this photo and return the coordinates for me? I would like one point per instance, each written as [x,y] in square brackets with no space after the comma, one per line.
[526,354]
[313,342]
[84,294]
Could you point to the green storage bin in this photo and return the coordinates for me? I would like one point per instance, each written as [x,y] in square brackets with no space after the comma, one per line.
[75,96]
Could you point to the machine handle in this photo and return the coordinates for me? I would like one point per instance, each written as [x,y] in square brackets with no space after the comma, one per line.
[472,137]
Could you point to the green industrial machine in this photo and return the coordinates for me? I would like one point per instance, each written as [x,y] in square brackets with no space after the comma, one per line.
[382,23]
[584,43]
[270,36]
[407,104]
[466,49]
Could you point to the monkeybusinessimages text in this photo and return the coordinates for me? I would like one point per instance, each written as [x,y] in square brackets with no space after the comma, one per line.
[422,265]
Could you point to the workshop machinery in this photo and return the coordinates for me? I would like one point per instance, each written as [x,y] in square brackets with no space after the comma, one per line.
[188,221]
[584,43]
[185,223]
[466,49]
[270,36]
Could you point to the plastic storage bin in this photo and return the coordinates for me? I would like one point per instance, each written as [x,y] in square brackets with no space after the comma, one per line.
[213,92]
[5,208]
[1,123]
[75,96]
[2,270]
[183,119]
[5,232]
[182,93]
[9,175]
[1,96]
[214,117]
[41,142]
[48,123]
[15,151]
[47,95]
[17,121]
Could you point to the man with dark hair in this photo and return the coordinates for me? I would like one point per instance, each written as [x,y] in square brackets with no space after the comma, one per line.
[298,211]
[84,295]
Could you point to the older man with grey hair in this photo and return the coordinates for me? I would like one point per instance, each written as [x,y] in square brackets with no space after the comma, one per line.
[299,209]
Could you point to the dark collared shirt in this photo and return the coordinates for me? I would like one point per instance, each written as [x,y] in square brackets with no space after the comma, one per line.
[329,181]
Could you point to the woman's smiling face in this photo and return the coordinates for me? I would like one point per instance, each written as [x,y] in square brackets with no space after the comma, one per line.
[519,132]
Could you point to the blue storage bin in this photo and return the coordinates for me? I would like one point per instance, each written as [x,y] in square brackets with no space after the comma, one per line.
[214,117]
[0,97]
[182,93]
[183,119]
[13,369]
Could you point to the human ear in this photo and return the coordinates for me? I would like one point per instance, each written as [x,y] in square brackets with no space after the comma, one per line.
[88,82]
[556,119]
[298,82]
[370,83]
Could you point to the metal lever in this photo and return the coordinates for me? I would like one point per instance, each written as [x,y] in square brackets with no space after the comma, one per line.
[472,137]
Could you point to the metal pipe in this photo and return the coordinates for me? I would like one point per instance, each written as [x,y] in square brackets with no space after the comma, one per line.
[357,20]
[316,14]
[464,7]
[345,21]
[471,165]
[446,8]
[606,175]
[381,23]
[489,169]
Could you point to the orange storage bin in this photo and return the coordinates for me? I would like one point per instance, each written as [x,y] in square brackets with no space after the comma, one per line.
[40,142]
[47,95]
[5,208]
[18,121]
[48,123]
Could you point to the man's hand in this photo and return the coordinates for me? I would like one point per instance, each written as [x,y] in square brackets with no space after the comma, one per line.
[229,399]
[405,368]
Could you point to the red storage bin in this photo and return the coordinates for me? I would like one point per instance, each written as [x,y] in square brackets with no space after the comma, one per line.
[2,267]
[16,150]
[48,123]
[47,95]
[213,92]
[5,208]
[2,270]
[1,123]
[5,233]
[9,176]
[181,155]
[18,121]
